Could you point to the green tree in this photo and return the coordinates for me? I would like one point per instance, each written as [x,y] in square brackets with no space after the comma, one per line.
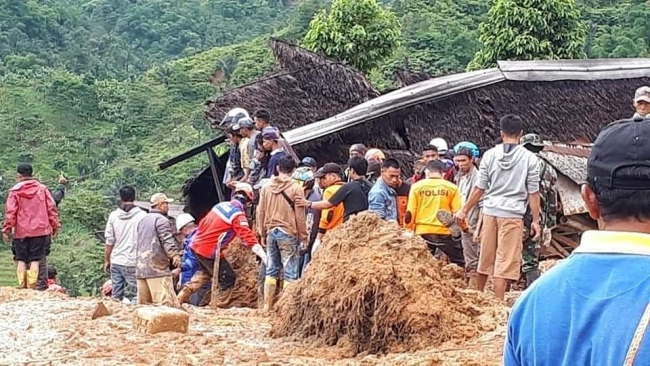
[359,32]
[530,30]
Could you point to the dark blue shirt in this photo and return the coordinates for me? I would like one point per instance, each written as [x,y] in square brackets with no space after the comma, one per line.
[273,163]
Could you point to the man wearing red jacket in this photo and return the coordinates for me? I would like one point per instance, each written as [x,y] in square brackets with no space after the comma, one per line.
[31,218]
[220,226]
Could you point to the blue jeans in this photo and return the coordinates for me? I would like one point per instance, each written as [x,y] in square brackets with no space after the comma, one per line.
[282,251]
[123,276]
[305,262]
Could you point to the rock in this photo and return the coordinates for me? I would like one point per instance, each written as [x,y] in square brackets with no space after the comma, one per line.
[156,319]
[100,311]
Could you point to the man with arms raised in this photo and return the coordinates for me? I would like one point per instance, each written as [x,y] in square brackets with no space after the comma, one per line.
[508,179]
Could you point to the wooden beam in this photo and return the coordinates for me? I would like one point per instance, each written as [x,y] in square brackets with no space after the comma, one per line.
[559,248]
[566,241]
[214,295]
[192,152]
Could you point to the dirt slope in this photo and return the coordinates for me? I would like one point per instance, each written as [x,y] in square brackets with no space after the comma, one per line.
[51,329]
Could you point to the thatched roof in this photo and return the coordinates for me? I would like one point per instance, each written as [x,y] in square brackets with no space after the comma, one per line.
[561,100]
[307,88]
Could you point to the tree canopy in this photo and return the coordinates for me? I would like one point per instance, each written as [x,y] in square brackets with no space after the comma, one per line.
[530,30]
[359,32]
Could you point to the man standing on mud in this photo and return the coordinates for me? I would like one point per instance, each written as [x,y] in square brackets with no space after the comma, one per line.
[573,314]
[467,177]
[431,205]
[31,218]
[121,239]
[284,227]
[548,202]
[155,247]
[509,178]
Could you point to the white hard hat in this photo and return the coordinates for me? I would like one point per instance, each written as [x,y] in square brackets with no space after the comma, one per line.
[246,189]
[233,116]
[439,143]
[182,220]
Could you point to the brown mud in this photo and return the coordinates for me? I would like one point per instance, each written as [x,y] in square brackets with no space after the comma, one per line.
[374,288]
[39,328]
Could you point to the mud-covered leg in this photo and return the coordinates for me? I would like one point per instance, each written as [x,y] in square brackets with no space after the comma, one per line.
[197,281]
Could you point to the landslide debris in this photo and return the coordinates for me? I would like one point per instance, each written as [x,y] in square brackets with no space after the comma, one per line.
[372,287]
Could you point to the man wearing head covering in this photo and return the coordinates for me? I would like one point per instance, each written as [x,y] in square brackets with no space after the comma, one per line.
[642,102]
[187,228]
[602,290]
[234,171]
[217,229]
[271,144]
[310,163]
[155,247]
[305,177]
[548,201]
[330,181]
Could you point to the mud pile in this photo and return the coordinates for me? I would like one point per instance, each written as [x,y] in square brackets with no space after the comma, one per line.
[374,288]
[244,263]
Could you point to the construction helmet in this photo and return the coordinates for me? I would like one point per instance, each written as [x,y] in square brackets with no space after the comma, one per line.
[375,154]
[303,175]
[233,116]
[246,190]
[467,145]
[182,220]
[439,143]
[532,139]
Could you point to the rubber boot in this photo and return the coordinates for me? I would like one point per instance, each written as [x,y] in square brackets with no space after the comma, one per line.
[270,286]
[21,276]
[224,297]
[32,279]
[531,277]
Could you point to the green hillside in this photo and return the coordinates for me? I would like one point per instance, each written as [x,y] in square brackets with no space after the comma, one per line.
[103,90]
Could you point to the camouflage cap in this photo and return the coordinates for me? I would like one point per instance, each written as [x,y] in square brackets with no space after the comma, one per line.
[532,139]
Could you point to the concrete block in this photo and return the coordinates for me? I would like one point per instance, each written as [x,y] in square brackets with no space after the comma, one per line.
[156,319]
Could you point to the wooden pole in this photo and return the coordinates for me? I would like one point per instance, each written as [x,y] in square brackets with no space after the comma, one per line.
[214,294]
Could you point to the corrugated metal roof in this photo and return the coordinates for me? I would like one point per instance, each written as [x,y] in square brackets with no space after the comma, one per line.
[444,86]
[569,191]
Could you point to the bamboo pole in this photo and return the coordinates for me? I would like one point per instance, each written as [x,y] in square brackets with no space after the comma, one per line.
[578,225]
[214,295]
[559,248]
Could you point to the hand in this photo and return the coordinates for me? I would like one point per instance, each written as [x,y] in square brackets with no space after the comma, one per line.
[460,215]
[55,234]
[176,261]
[6,238]
[232,184]
[107,267]
[302,202]
[535,231]
[260,252]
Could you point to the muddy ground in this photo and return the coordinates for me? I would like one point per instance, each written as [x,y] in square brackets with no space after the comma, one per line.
[51,329]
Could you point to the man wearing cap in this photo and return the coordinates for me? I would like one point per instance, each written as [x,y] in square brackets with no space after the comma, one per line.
[330,181]
[244,129]
[310,163]
[218,229]
[234,169]
[121,239]
[186,226]
[509,179]
[263,120]
[573,314]
[548,202]
[642,102]
[305,178]
[284,227]
[156,246]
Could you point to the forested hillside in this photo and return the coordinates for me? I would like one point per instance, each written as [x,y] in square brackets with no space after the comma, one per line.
[103,90]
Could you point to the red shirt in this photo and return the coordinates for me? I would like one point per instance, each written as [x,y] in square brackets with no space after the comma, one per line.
[220,226]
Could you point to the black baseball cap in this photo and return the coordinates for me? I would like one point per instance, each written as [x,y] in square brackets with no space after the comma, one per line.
[622,144]
[328,168]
